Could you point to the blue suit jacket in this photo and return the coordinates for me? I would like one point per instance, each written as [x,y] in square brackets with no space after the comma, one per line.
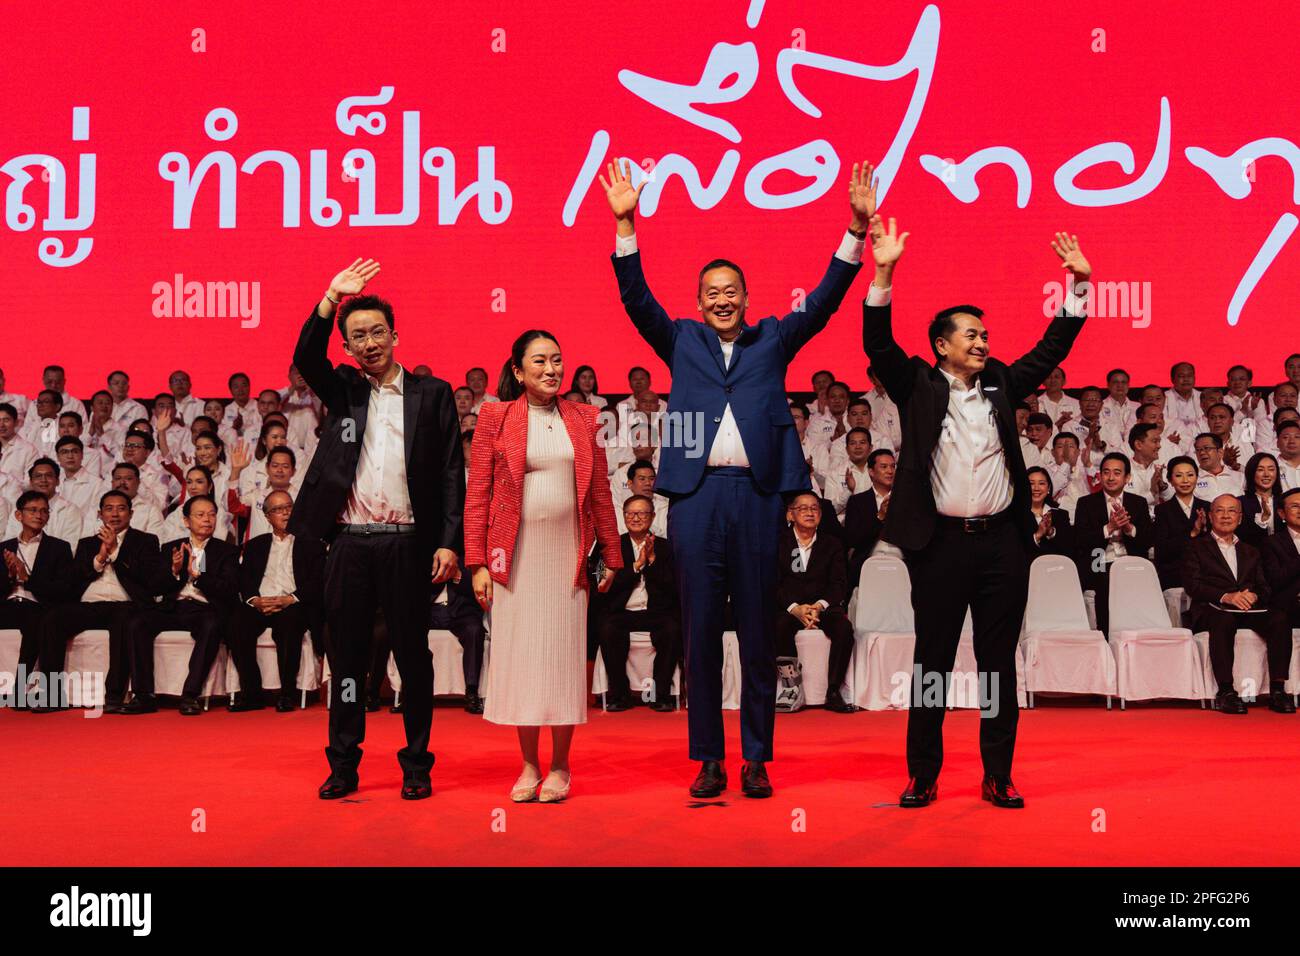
[754,384]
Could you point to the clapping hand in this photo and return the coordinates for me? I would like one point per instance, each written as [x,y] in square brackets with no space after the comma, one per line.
[1232,457]
[1045,524]
[1064,417]
[107,542]
[1198,526]
[17,568]
[178,557]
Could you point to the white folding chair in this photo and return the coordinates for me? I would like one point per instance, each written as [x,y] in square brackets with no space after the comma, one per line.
[85,666]
[448,667]
[1177,602]
[884,636]
[1153,660]
[1250,675]
[309,668]
[1063,655]
[171,665]
[640,669]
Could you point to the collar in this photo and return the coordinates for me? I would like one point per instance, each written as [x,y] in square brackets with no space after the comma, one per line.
[40,535]
[808,546]
[398,384]
[195,545]
[1295,535]
[956,384]
[1228,542]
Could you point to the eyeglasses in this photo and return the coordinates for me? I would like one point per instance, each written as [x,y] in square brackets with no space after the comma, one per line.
[37,511]
[805,508]
[134,444]
[378,336]
[638,514]
[280,510]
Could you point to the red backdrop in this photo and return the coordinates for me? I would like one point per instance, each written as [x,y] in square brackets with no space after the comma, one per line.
[535,82]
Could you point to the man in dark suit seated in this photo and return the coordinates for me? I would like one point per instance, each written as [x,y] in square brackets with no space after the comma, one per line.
[281,586]
[811,591]
[643,597]
[114,575]
[34,576]
[1224,576]
[1281,555]
[1179,520]
[200,588]
[455,609]
[864,515]
[1109,524]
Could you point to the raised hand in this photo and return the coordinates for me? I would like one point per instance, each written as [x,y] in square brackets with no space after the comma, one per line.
[862,195]
[1198,527]
[354,278]
[241,456]
[1065,416]
[620,192]
[178,557]
[1067,247]
[1232,457]
[849,481]
[886,244]
[107,542]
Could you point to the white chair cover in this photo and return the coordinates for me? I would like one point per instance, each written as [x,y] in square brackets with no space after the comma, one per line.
[1153,659]
[1062,653]
[640,667]
[86,665]
[884,636]
[309,668]
[171,665]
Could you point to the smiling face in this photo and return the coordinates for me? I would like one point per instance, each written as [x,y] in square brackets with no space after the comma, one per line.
[723,301]
[541,370]
[1148,447]
[368,339]
[206,452]
[1090,404]
[1038,488]
[965,351]
[1291,512]
[44,479]
[1183,478]
[1265,476]
[1238,382]
[1113,476]
[196,483]
[1055,381]
[882,472]
[1117,384]
[116,513]
[279,471]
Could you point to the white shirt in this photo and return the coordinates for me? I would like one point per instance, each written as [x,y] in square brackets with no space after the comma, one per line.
[189,408]
[1226,482]
[639,599]
[379,491]
[195,558]
[805,556]
[124,413]
[1139,482]
[107,587]
[837,491]
[19,402]
[1054,410]
[1228,548]
[968,472]
[67,522]
[658,527]
[1116,421]
[1288,474]
[1035,456]
[1115,547]
[174,525]
[16,456]
[304,413]
[41,434]
[83,490]
[278,580]
[251,419]
[27,552]
[1182,414]
[1295,537]
[885,418]
[146,517]
[478,403]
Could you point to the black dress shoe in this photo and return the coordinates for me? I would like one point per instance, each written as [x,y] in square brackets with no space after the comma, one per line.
[1280,702]
[114,707]
[1001,792]
[395,709]
[663,705]
[473,703]
[190,707]
[140,704]
[710,781]
[616,705]
[372,703]
[838,705]
[335,787]
[1230,703]
[285,704]
[919,793]
[753,780]
[245,703]
[416,790]
[48,709]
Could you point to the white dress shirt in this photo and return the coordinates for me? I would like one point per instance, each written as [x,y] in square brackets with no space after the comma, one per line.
[27,554]
[1054,410]
[107,587]
[189,408]
[885,418]
[1288,474]
[1115,546]
[1228,548]
[1226,482]
[146,517]
[124,413]
[805,556]
[379,491]
[837,491]
[968,472]
[639,599]
[1116,421]
[16,456]
[278,580]
[83,490]
[196,558]
[1139,482]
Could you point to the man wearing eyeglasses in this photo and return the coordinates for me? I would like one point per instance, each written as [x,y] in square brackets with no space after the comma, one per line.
[34,575]
[642,597]
[387,488]
[65,521]
[281,586]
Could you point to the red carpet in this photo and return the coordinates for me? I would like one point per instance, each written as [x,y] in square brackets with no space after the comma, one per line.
[1177,785]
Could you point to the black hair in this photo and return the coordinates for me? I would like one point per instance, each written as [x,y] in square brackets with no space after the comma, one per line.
[1039,418]
[1118,456]
[27,497]
[1039,470]
[372,303]
[876,455]
[67,440]
[43,460]
[646,498]
[189,503]
[1252,466]
[573,382]
[1139,432]
[144,436]
[1180,460]
[639,465]
[244,375]
[283,450]
[721,264]
[6,407]
[509,387]
[1218,442]
[114,493]
[127,465]
[943,324]
[74,415]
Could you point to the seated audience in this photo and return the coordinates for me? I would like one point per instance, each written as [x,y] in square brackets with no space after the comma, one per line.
[1061,409]
[16,452]
[41,430]
[1146,475]
[1261,503]
[125,409]
[864,515]
[584,381]
[35,576]
[640,480]
[1215,478]
[241,416]
[198,481]
[77,483]
[885,419]
[188,406]
[1108,525]
[1281,558]
[1288,447]
[17,402]
[66,520]
[1224,577]
[856,476]
[1183,401]
[1178,520]
[1036,445]
[145,515]
[1052,531]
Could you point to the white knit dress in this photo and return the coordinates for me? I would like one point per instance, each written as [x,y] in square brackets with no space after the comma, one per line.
[537,667]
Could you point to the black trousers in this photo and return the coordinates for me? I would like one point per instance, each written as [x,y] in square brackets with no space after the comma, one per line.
[206,624]
[1273,627]
[466,622]
[615,626]
[287,629]
[66,621]
[362,574]
[26,617]
[834,623]
[989,573]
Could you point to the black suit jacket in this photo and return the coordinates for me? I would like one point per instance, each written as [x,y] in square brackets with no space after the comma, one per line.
[921,393]
[1172,533]
[219,582]
[137,564]
[435,466]
[862,529]
[1207,577]
[660,578]
[1062,542]
[1282,569]
[308,573]
[1091,515]
[50,576]
[1249,531]
[824,579]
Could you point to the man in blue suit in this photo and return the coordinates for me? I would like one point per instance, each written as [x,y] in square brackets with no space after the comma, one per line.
[730,454]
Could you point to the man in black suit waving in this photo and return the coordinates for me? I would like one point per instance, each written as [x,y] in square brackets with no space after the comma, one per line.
[960,508]
[1224,576]
[33,577]
[281,586]
[199,590]
[1109,524]
[812,587]
[386,490]
[115,575]
[642,597]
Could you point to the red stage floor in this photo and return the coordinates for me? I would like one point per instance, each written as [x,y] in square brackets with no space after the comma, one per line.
[1176,786]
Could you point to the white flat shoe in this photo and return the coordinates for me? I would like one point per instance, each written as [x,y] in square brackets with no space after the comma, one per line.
[553,794]
[524,791]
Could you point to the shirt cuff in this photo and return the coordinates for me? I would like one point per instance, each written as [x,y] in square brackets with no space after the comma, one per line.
[1076,300]
[624,245]
[879,296]
[850,249]
[791,607]
[824,604]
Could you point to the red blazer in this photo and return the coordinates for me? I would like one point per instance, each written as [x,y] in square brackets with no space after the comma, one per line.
[494,492]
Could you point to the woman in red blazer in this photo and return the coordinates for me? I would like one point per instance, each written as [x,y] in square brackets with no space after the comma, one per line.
[537,499]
